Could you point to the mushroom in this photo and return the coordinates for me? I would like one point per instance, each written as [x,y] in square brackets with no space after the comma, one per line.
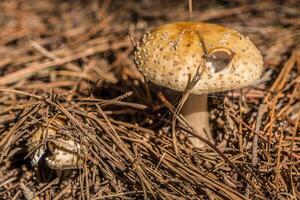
[65,151]
[171,54]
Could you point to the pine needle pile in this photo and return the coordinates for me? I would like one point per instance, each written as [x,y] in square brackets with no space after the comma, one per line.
[74,59]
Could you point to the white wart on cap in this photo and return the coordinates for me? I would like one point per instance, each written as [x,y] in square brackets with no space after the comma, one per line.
[170,54]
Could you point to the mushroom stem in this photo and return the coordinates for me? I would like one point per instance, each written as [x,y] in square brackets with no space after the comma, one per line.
[195,112]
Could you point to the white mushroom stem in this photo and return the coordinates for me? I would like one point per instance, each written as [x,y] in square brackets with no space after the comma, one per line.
[195,112]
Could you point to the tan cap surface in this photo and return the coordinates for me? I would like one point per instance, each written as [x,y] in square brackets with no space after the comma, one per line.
[170,54]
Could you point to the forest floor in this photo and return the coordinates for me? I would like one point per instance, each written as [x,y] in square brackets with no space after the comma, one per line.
[75,60]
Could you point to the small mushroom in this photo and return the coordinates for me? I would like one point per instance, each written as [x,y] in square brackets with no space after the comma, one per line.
[66,153]
[171,54]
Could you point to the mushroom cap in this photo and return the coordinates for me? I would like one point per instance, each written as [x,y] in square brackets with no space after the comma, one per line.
[66,153]
[171,54]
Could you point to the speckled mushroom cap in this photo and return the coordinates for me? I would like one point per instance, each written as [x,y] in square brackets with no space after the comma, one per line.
[170,54]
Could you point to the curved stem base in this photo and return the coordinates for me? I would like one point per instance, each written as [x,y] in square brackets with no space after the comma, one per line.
[195,112]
